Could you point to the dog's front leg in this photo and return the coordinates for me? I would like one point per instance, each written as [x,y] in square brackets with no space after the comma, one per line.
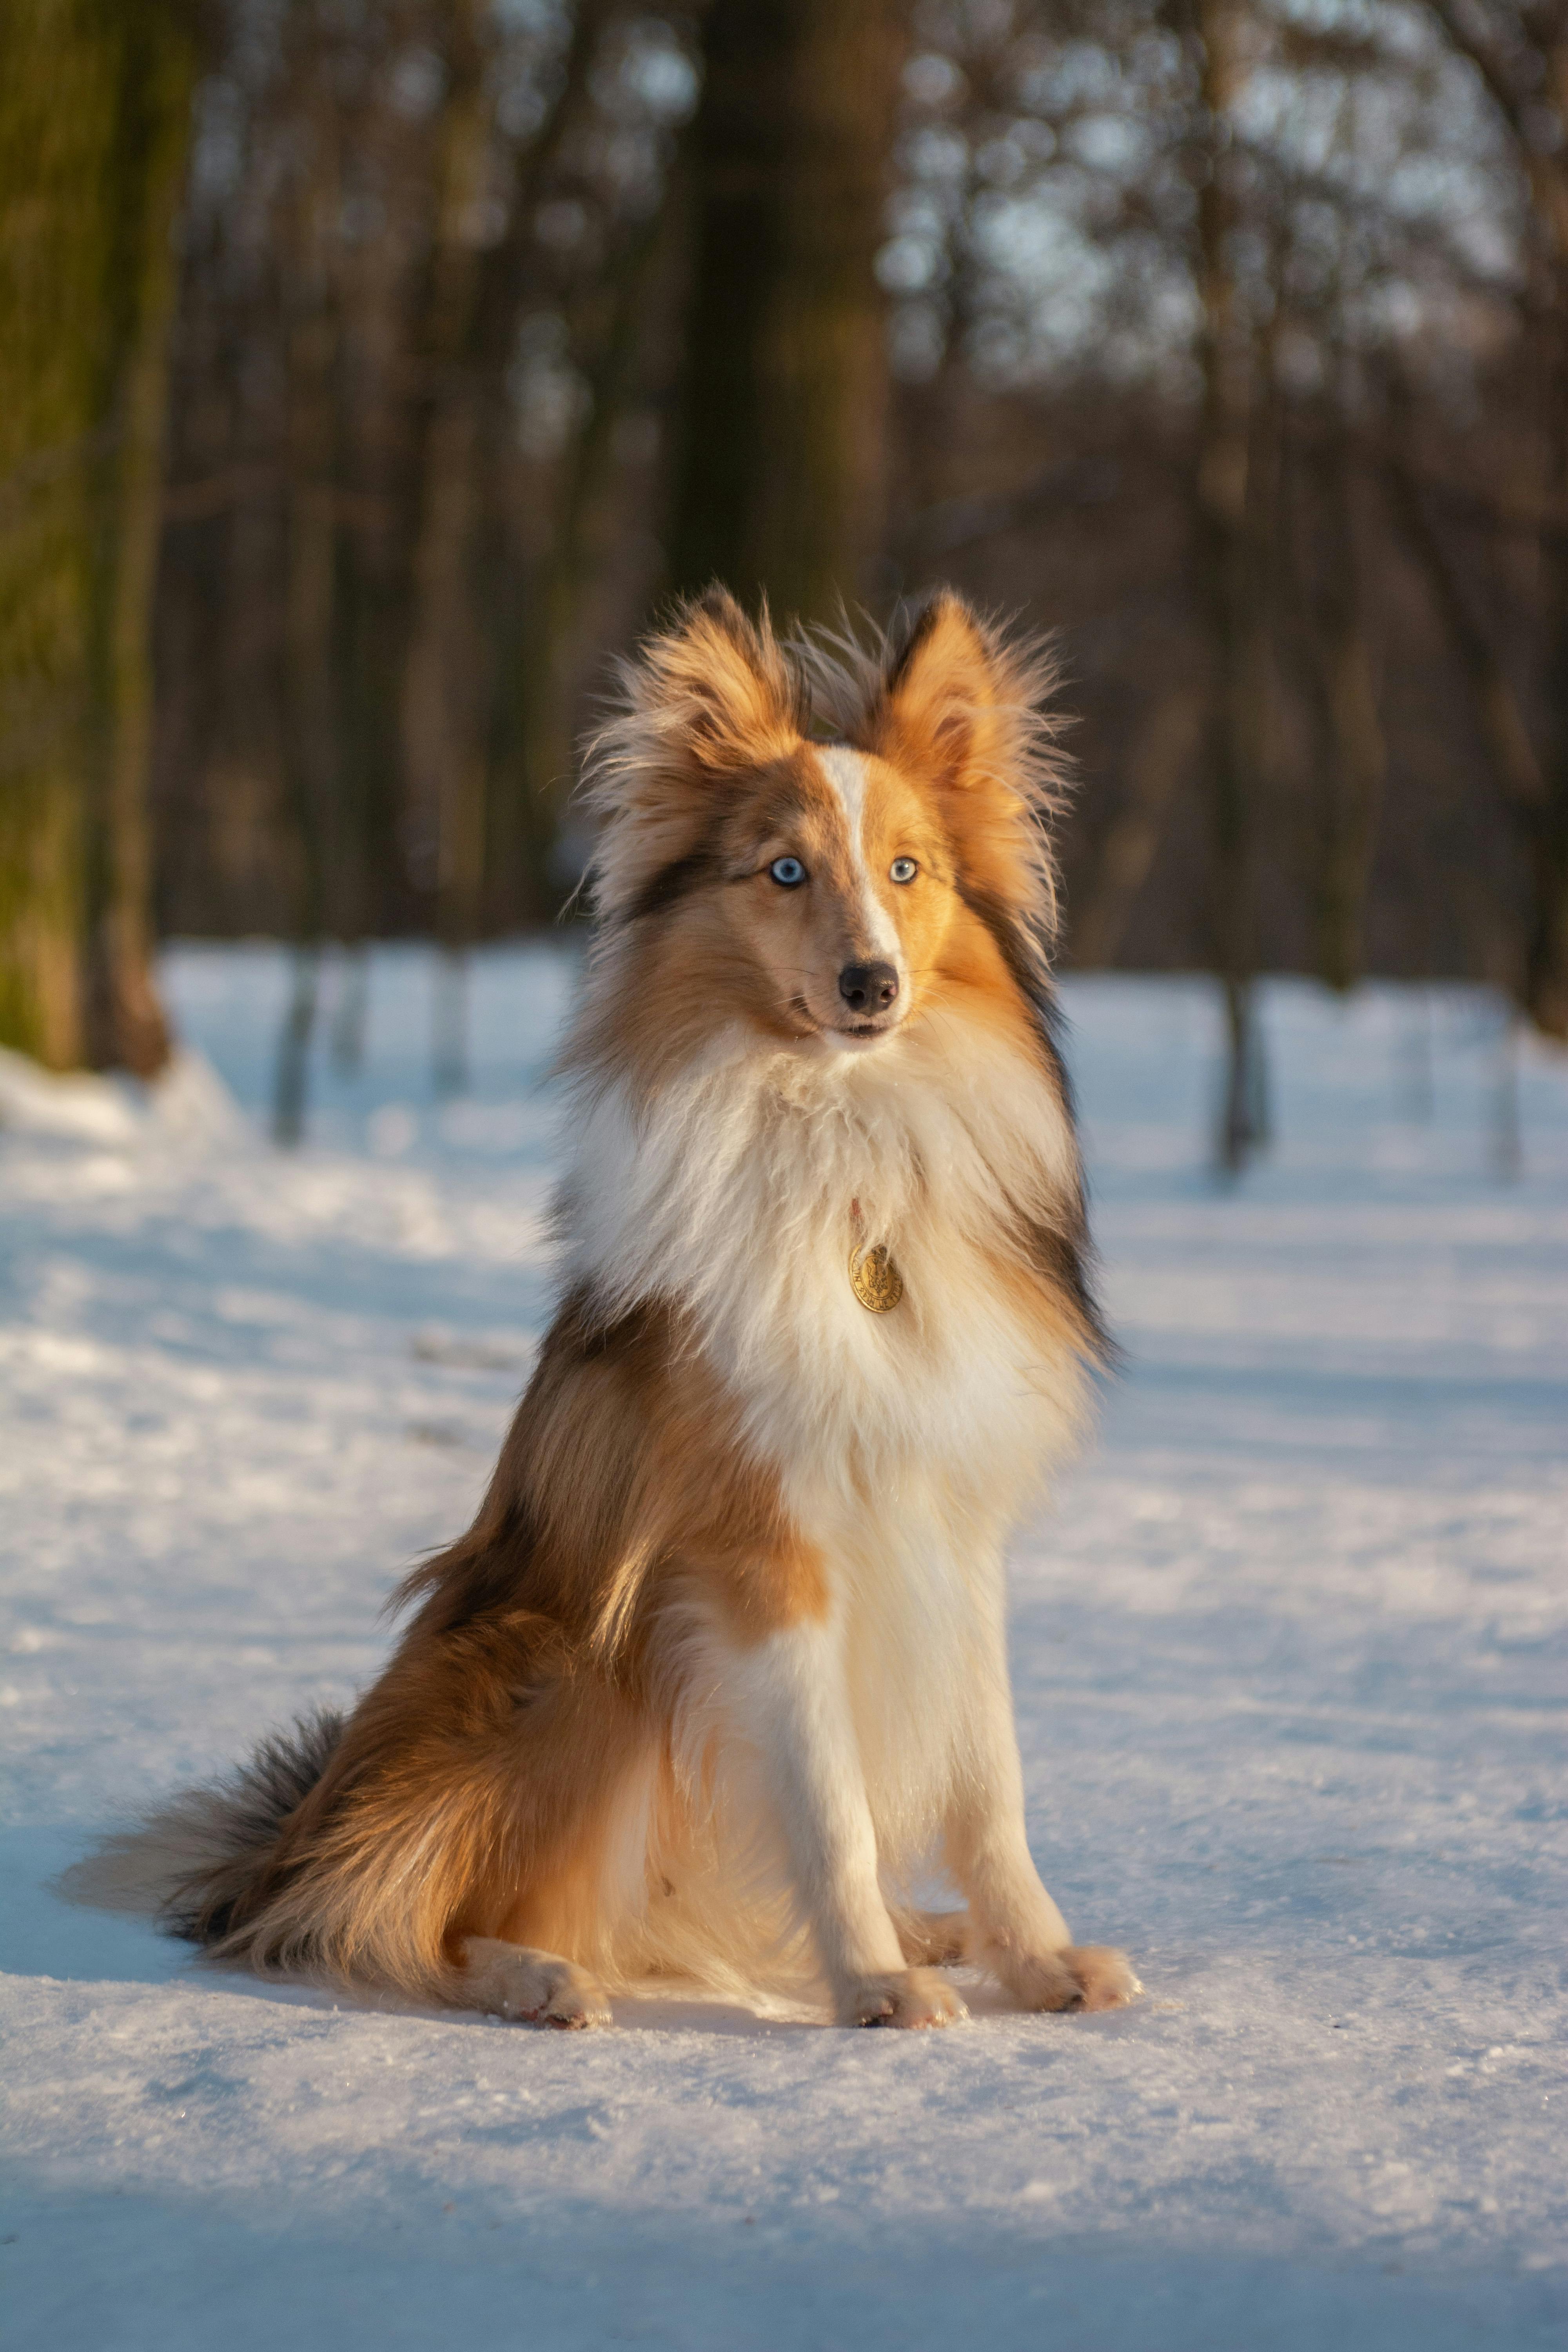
[1014,1928]
[792,1709]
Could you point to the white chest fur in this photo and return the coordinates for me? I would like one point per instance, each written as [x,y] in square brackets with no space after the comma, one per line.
[906,1443]
[739,1193]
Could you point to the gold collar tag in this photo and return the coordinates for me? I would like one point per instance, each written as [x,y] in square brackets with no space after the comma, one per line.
[875,1279]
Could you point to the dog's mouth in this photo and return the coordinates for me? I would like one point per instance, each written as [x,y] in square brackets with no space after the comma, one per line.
[855,1034]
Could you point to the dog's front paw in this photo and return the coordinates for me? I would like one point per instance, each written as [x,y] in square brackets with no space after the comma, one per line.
[569,2000]
[1082,1976]
[912,1997]
[535,1988]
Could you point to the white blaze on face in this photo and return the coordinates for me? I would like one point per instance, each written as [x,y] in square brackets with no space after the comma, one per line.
[846,772]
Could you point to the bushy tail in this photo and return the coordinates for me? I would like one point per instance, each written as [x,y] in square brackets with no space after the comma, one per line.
[189,1863]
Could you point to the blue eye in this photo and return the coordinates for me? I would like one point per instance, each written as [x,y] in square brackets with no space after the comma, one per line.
[788,873]
[903,869]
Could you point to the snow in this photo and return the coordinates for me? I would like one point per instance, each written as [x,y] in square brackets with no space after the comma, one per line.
[1289,1660]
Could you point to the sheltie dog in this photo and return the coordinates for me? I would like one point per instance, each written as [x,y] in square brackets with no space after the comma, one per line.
[719,1669]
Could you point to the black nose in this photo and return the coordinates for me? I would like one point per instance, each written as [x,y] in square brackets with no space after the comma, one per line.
[867,987]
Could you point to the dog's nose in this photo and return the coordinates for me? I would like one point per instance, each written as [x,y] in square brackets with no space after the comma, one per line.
[867,987]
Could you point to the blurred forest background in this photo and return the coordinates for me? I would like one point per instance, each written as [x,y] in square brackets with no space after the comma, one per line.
[371,370]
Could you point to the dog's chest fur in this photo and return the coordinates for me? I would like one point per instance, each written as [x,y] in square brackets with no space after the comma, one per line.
[905,1442]
[739,1193]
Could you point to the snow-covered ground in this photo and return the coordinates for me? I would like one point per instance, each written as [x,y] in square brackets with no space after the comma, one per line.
[1291,1655]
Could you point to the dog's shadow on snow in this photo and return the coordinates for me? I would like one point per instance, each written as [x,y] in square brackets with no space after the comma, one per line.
[43,1933]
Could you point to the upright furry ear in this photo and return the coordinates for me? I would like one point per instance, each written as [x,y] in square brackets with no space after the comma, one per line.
[939,700]
[963,701]
[962,704]
[711,699]
[723,686]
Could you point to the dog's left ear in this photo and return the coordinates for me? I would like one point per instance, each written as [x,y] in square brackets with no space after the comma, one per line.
[948,704]
[962,706]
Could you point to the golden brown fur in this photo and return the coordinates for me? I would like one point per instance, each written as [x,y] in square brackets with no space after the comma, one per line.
[530,1790]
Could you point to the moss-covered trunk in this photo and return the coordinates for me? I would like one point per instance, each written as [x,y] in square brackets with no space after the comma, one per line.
[94,111]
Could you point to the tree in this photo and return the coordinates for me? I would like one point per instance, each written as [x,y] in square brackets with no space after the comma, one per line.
[1231,537]
[1519,49]
[95,104]
[780,472]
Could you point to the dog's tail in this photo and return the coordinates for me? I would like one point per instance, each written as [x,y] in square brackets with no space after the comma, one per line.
[189,1863]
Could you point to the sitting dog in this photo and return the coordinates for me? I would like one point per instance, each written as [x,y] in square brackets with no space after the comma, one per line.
[721,1665]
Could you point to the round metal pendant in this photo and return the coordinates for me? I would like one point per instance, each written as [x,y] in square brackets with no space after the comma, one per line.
[875,1279]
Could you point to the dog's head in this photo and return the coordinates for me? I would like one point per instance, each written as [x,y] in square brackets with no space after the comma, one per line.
[825,893]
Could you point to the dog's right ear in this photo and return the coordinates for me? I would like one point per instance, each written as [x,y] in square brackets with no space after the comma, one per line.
[724,686]
[709,698]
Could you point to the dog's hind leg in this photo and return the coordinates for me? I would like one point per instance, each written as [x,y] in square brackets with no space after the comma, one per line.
[537,1988]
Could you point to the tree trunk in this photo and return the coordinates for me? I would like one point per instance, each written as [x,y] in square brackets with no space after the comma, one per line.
[528,748]
[1525,66]
[94,114]
[126,1020]
[1229,536]
[555,591]
[1545,990]
[780,476]
[1507,737]
[1161,753]
[443,734]
[310,735]
[1359,757]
